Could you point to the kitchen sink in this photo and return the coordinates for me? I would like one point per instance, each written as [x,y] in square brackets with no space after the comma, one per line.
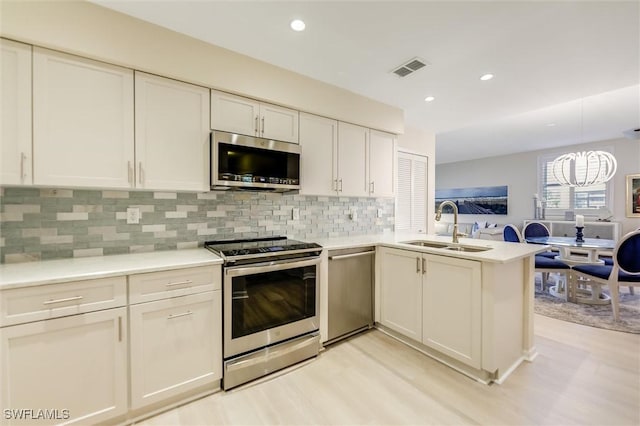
[467,248]
[431,244]
[447,246]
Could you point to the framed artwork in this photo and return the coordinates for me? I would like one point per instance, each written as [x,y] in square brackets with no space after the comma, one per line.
[633,195]
[478,200]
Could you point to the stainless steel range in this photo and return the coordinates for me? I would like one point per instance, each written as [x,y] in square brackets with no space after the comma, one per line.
[271,304]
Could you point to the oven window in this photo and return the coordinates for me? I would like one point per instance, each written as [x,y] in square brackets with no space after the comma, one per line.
[263,301]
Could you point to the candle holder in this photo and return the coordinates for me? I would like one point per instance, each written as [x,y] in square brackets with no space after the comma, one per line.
[579,234]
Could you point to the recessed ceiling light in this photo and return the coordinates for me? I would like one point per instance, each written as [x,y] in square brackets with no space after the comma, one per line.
[298,25]
[429,99]
[486,77]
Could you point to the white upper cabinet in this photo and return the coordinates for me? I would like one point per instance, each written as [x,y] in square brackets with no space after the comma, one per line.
[15,125]
[352,160]
[319,144]
[236,114]
[382,151]
[82,122]
[172,134]
[344,159]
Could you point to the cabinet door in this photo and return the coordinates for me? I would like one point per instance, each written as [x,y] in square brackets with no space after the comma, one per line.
[318,162]
[401,292]
[352,154]
[234,114]
[172,134]
[452,308]
[76,365]
[15,119]
[382,157]
[411,197]
[176,345]
[82,122]
[278,123]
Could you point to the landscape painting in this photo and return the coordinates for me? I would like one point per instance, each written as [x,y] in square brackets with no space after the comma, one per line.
[479,200]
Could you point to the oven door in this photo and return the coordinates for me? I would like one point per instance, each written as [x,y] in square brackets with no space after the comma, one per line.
[269,302]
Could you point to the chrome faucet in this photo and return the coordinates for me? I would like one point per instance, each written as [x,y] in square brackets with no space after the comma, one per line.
[455,218]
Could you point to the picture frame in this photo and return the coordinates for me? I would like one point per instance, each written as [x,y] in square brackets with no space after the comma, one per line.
[633,195]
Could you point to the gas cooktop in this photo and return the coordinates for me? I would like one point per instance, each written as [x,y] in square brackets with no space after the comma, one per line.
[258,246]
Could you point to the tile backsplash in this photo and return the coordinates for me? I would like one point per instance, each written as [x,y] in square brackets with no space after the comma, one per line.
[44,223]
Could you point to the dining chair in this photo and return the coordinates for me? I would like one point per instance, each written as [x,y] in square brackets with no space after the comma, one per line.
[544,264]
[608,260]
[625,270]
[537,229]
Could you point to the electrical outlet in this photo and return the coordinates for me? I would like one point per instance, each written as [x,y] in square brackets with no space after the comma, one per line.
[379,213]
[353,214]
[133,215]
[295,214]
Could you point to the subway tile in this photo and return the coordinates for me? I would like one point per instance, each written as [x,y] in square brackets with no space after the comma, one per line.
[115,194]
[88,252]
[153,228]
[165,195]
[72,216]
[56,239]
[174,215]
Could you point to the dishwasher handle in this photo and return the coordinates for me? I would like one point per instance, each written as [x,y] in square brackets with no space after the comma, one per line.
[347,256]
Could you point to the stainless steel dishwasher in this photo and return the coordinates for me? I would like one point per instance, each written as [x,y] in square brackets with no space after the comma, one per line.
[350,307]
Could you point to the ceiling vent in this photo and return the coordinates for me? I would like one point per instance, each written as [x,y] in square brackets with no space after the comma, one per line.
[410,67]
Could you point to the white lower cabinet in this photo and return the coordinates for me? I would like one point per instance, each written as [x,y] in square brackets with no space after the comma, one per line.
[175,346]
[435,300]
[70,370]
[401,292]
[451,307]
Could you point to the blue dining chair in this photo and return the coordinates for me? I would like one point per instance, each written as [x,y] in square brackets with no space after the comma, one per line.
[625,270]
[544,264]
[537,229]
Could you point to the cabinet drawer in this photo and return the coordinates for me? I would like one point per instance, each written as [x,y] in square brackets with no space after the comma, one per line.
[28,304]
[178,282]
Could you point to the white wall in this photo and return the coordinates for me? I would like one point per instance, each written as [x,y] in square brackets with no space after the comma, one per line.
[519,172]
[417,141]
[92,31]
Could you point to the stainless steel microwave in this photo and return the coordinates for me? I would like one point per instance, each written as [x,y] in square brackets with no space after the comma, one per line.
[251,163]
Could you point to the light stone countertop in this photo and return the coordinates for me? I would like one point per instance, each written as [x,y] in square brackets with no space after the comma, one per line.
[26,274]
[15,275]
[501,252]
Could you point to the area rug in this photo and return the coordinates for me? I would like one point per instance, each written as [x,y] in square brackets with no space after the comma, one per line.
[599,316]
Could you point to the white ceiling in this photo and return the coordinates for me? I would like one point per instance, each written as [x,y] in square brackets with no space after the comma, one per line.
[572,64]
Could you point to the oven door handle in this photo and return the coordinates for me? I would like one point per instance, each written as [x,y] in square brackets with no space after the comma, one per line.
[258,268]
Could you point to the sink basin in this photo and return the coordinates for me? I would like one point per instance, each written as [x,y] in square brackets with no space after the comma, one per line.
[447,246]
[467,248]
[431,244]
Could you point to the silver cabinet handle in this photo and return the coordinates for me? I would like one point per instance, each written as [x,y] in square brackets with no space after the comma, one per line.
[129,172]
[185,282]
[347,256]
[119,329]
[372,187]
[340,180]
[66,299]
[424,266]
[23,157]
[140,174]
[417,265]
[263,125]
[184,314]
[334,185]
[256,126]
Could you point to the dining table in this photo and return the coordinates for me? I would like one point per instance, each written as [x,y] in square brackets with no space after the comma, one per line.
[574,252]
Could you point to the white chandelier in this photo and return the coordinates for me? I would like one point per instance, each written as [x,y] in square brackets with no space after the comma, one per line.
[584,168]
